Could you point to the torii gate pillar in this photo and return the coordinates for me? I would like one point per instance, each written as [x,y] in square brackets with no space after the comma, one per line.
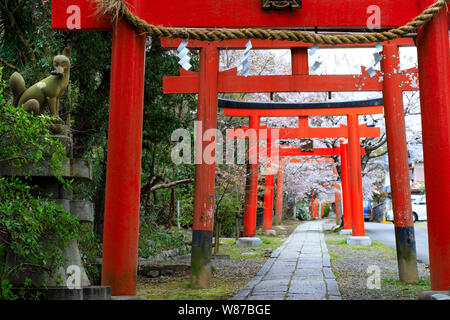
[268,191]
[279,195]
[358,237]
[346,189]
[251,192]
[204,195]
[398,166]
[123,170]
[434,77]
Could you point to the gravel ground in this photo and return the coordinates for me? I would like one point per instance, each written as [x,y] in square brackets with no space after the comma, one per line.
[350,265]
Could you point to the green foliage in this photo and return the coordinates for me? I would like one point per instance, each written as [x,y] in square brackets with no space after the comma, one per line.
[34,230]
[227,214]
[326,210]
[302,208]
[91,250]
[154,239]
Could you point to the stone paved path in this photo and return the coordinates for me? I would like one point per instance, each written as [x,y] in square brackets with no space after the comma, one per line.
[298,270]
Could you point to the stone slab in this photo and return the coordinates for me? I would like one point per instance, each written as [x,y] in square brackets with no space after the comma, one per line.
[316,287]
[428,295]
[248,242]
[306,297]
[328,273]
[269,232]
[306,272]
[270,286]
[267,297]
[332,287]
[359,241]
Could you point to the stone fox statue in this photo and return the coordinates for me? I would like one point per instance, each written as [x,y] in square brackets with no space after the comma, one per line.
[45,93]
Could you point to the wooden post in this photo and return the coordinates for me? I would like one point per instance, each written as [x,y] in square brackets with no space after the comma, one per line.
[345,179]
[355,176]
[268,192]
[202,232]
[251,195]
[123,170]
[279,195]
[434,77]
[398,166]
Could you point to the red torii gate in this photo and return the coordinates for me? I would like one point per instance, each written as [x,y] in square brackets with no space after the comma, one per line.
[303,131]
[353,132]
[126,104]
[342,152]
[314,206]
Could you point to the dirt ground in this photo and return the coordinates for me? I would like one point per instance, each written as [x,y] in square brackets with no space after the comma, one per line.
[354,265]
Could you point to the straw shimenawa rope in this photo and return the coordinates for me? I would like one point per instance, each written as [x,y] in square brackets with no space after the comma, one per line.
[118,8]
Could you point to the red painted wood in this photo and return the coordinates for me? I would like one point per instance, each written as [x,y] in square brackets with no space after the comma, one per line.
[248,13]
[434,65]
[355,176]
[229,82]
[396,138]
[268,190]
[251,188]
[123,170]
[268,202]
[311,206]
[338,203]
[89,20]
[279,193]
[299,61]
[297,152]
[206,113]
[321,159]
[315,209]
[297,133]
[345,179]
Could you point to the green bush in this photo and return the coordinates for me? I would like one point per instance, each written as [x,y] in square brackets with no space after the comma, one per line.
[326,210]
[302,209]
[154,239]
[90,250]
[35,230]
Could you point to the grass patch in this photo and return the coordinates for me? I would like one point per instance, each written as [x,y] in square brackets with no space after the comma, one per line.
[333,256]
[179,289]
[396,287]
[268,245]
[341,240]
[337,242]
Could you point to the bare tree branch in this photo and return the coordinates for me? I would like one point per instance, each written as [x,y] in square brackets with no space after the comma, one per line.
[170,184]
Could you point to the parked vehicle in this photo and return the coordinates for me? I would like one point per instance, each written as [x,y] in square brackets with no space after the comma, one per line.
[419,209]
[367,209]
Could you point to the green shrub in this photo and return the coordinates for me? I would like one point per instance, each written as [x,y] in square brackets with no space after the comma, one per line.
[154,239]
[326,210]
[302,209]
[35,230]
[90,250]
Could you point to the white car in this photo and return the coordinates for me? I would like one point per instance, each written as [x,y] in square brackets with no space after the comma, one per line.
[419,209]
